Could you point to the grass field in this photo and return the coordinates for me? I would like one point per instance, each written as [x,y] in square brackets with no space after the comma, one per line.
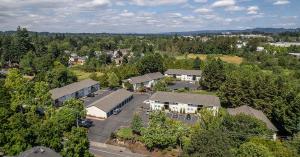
[225,58]
[81,75]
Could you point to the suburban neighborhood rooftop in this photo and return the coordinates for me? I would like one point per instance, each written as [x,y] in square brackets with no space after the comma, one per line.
[145,78]
[196,99]
[183,72]
[71,88]
[247,110]
[110,101]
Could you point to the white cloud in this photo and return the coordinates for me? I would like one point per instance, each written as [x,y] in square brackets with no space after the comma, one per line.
[157,2]
[281,2]
[126,13]
[94,3]
[203,10]
[200,1]
[234,8]
[223,3]
[252,10]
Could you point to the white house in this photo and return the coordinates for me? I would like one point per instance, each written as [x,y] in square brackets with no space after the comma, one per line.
[147,80]
[247,110]
[184,75]
[74,90]
[105,106]
[183,102]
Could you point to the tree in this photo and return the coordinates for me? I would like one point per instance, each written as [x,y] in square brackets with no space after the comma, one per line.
[162,132]
[197,63]
[27,63]
[213,75]
[150,63]
[22,43]
[60,76]
[77,144]
[136,124]
[160,86]
[242,127]
[208,143]
[113,80]
[250,149]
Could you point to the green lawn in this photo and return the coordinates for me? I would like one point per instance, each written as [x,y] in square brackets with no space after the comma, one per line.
[225,58]
[81,75]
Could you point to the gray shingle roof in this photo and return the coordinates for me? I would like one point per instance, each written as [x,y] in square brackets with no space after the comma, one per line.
[39,151]
[71,88]
[247,110]
[186,98]
[183,72]
[110,101]
[145,78]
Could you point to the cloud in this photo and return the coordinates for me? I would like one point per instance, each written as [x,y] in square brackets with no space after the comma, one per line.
[157,2]
[200,1]
[126,13]
[234,8]
[203,10]
[281,2]
[94,3]
[223,3]
[252,10]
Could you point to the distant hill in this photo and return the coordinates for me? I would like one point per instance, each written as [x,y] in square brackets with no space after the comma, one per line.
[202,32]
[254,30]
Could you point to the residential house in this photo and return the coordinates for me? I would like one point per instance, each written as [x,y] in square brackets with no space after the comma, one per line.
[247,110]
[183,102]
[105,106]
[184,75]
[74,90]
[147,80]
[77,60]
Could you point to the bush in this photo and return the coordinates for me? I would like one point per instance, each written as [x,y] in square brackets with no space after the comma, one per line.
[125,134]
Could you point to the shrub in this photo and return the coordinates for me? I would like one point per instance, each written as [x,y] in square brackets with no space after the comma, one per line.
[125,134]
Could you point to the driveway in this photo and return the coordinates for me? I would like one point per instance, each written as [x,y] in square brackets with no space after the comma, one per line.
[102,129]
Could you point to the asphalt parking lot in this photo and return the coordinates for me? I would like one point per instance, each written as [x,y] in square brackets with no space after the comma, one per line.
[183,84]
[102,129]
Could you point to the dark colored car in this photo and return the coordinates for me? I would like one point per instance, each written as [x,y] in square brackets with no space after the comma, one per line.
[85,123]
[175,116]
[188,117]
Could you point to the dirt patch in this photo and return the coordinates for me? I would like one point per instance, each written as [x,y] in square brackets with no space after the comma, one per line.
[138,147]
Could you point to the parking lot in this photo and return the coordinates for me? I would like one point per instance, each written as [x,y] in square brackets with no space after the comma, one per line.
[183,84]
[102,129]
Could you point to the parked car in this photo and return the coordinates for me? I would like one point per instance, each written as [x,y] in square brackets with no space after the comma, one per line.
[85,123]
[188,117]
[91,95]
[117,111]
[175,115]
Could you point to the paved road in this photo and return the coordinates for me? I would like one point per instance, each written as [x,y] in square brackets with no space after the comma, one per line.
[102,129]
[104,150]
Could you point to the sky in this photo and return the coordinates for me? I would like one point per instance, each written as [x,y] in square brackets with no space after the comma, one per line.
[147,16]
